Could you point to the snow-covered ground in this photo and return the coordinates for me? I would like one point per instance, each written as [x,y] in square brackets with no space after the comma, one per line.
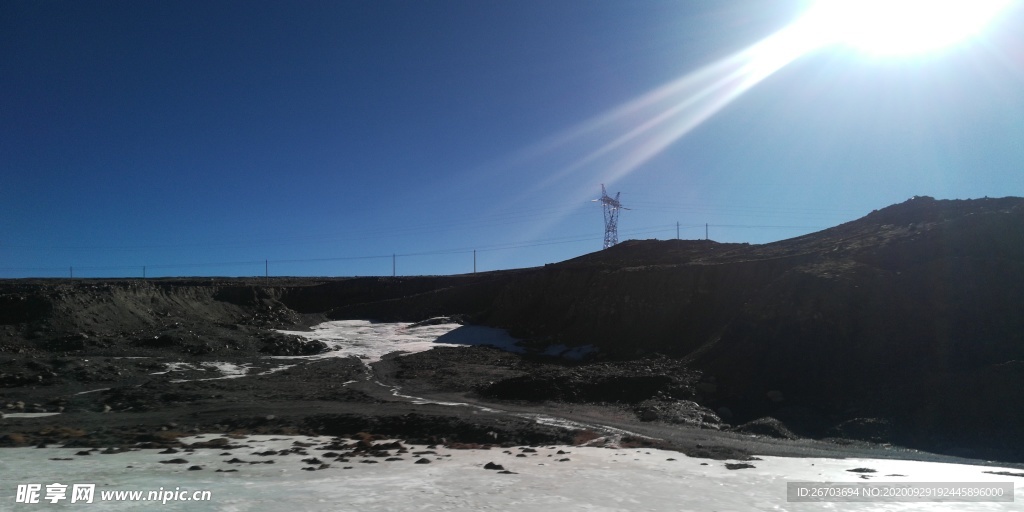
[579,478]
[371,340]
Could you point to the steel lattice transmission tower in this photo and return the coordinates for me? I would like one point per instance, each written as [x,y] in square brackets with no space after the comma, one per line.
[611,208]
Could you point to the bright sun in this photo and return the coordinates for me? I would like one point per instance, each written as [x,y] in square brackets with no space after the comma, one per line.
[900,27]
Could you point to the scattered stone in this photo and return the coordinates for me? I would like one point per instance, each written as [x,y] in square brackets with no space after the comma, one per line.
[392,459]
[507,472]
[861,470]
[740,465]
[220,442]
[227,471]
[174,461]
[422,461]
[168,451]
[680,412]
[491,465]
[195,468]
[1002,473]
[84,452]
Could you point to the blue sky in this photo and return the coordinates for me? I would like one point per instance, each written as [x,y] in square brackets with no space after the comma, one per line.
[204,138]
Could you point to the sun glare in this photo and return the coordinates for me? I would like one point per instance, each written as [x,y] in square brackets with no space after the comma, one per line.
[901,27]
[620,141]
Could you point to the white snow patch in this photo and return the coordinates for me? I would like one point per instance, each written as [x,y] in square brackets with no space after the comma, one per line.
[592,479]
[226,370]
[370,341]
[27,414]
[90,391]
[176,367]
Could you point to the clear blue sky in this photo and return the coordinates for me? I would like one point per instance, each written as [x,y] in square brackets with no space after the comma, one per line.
[327,136]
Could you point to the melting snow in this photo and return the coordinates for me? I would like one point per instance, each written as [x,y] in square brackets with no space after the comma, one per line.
[370,341]
[583,478]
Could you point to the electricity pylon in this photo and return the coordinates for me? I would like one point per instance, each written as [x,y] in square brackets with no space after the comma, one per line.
[611,216]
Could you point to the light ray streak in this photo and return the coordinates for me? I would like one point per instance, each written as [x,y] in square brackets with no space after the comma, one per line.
[621,140]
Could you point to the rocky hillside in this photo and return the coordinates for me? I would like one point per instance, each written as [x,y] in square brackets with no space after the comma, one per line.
[905,324]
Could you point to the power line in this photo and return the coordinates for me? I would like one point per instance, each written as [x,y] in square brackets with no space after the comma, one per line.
[464,250]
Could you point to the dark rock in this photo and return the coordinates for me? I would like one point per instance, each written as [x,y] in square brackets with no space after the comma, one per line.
[767,426]
[491,465]
[174,461]
[738,465]
[682,412]
[1002,473]
[875,430]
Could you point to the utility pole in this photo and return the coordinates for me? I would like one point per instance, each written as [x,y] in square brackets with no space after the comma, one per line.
[266,271]
[71,272]
[143,271]
[705,231]
[677,230]
[392,264]
[474,261]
